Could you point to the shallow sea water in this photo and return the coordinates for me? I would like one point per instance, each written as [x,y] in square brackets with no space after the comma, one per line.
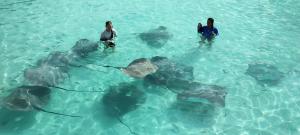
[254,31]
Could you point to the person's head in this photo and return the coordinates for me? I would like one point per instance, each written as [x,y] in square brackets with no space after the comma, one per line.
[210,22]
[108,25]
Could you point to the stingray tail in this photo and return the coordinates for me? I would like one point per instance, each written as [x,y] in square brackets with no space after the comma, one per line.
[174,91]
[43,110]
[74,90]
[107,66]
[120,120]
[86,67]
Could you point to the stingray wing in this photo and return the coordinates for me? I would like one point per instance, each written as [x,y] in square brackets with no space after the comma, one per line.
[139,68]
[265,73]
[17,100]
[137,61]
[201,92]
[122,99]
[45,75]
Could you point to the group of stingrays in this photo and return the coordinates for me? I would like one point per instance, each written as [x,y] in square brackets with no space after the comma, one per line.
[159,71]
[52,70]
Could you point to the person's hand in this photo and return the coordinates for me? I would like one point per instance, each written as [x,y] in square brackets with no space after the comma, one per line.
[111,44]
[199,28]
[213,33]
[199,25]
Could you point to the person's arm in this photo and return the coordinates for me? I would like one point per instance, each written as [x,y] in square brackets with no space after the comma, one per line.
[102,37]
[114,33]
[215,32]
[200,28]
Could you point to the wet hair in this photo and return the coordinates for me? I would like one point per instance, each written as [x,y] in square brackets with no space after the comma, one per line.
[211,20]
[107,23]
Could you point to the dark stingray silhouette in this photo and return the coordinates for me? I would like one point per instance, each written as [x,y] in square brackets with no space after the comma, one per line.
[156,70]
[138,68]
[83,47]
[156,37]
[168,70]
[265,74]
[64,59]
[121,99]
[45,75]
[179,78]
[55,59]
[24,101]
[29,98]
[53,69]
[196,92]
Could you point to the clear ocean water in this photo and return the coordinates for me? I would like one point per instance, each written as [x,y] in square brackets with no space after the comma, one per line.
[253,31]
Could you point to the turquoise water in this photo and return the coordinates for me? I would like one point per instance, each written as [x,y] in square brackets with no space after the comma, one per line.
[254,31]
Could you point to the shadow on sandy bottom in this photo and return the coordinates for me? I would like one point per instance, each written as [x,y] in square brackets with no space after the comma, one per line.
[14,121]
[192,114]
[101,116]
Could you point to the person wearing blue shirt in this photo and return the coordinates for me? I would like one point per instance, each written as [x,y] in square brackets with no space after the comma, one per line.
[208,32]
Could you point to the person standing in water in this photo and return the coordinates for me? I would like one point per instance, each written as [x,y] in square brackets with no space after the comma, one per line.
[208,32]
[108,35]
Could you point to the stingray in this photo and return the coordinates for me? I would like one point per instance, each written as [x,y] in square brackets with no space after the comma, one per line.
[195,92]
[138,68]
[29,98]
[265,74]
[168,70]
[156,37]
[56,59]
[45,75]
[60,60]
[174,69]
[83,47]
[121,99]
[53,69]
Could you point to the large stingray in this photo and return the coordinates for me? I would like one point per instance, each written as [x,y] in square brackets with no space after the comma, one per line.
[83,47]
[167,70]
[122,99]
[138,68]
[197,92]
[265,74]
[53,69]
[156,37]
[63,59]
[175,70]
[45,75]
[56,59]
[29,98]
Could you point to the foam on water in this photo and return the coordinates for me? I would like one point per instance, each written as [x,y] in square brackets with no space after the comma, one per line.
[257,31]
